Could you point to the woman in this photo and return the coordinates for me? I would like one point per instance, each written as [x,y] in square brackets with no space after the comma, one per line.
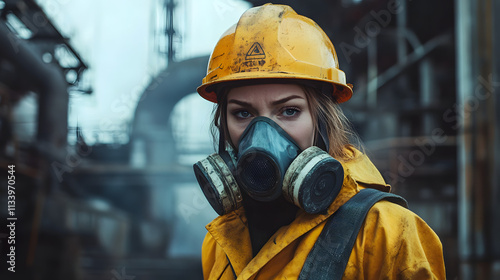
[286,163]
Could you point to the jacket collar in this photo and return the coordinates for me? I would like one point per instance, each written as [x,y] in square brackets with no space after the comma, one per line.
[363,171]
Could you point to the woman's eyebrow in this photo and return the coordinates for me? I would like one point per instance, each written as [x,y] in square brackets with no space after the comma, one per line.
[239,102]
[286,99]
[276,102]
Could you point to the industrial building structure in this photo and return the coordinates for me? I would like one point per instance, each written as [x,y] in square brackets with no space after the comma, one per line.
[426,80]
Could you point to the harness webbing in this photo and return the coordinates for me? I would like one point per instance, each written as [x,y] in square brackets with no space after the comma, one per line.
[329,255]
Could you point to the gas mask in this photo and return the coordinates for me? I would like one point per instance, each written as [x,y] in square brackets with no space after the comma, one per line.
[269,164]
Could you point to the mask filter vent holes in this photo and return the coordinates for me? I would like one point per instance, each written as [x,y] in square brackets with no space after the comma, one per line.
[259,175]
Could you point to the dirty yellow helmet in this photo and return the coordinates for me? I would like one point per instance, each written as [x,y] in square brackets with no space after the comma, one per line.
[274,42]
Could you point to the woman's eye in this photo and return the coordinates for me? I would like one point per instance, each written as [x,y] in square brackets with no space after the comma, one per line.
[242,114]
[290,112]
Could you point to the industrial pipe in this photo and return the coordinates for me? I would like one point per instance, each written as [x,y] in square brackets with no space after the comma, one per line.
[46,80]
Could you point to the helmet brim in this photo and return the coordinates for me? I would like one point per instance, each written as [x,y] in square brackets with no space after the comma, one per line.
[340,92]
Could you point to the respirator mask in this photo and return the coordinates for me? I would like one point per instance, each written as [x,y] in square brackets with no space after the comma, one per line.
[269,164]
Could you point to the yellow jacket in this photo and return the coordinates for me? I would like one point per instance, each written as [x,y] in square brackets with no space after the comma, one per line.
[393,243]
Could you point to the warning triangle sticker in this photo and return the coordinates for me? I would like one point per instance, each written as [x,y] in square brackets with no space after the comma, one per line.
[255,52]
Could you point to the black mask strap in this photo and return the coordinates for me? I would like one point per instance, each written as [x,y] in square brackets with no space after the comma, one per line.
[222,145]
[224,154]
[322,136]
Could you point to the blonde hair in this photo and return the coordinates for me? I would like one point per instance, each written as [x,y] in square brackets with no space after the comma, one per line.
[341,136]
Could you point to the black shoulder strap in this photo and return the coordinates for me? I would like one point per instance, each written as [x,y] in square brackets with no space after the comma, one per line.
[329,255]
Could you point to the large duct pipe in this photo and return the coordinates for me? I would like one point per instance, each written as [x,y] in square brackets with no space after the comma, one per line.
[46,80]
[158,101]
[479,143]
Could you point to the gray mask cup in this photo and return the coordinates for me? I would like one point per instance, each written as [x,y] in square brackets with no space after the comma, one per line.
[265,151]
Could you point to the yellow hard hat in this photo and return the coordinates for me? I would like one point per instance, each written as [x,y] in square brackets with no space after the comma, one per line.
[274,42]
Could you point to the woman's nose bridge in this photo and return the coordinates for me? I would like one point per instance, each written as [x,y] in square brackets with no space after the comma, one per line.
[270,115]
[265,111]
[266,114]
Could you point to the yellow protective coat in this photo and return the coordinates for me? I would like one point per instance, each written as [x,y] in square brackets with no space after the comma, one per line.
[393,243]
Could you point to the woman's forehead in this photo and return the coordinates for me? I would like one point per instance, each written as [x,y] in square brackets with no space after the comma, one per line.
[265,92]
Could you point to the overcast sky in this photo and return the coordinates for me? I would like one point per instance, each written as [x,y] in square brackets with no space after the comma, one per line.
[116,38]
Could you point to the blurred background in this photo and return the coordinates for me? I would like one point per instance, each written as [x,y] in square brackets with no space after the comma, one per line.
[99,115]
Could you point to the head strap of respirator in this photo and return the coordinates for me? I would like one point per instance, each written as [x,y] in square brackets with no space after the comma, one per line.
[268,164]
